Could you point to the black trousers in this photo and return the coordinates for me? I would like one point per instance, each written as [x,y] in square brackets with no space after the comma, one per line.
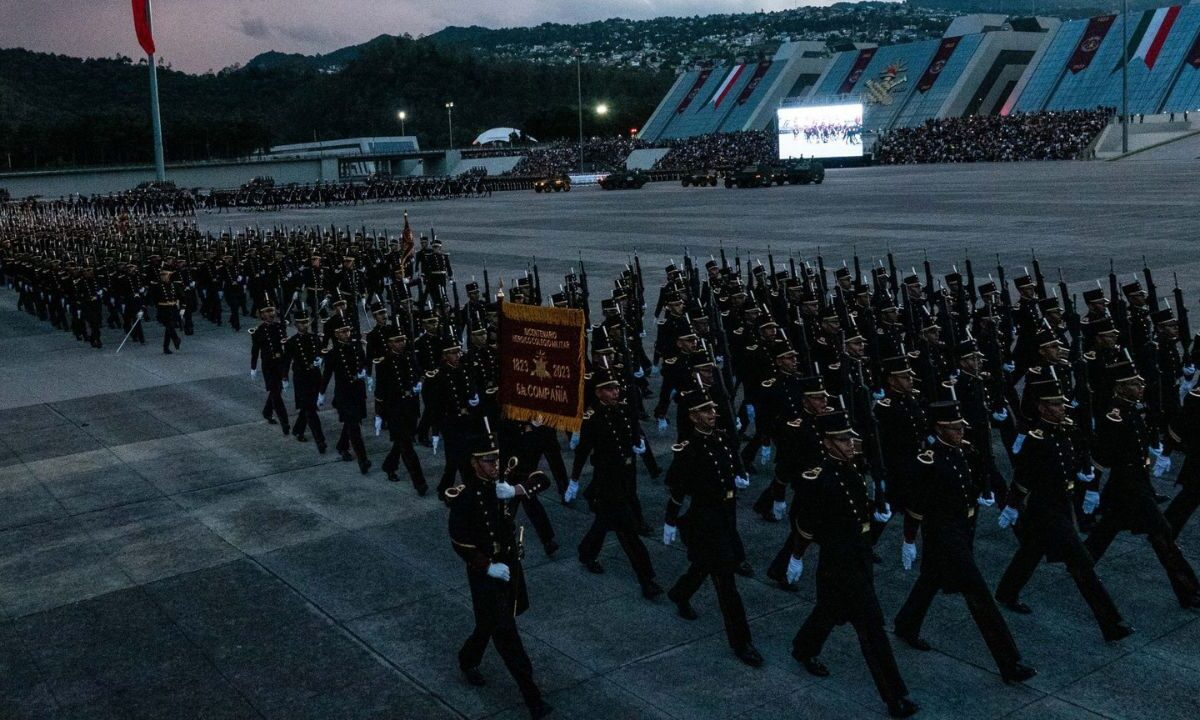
[274,406]
[1179,571]
[402,449]
[169,319]
[137,334]
[500,628]
[307,418]
[733,612]
[351,437]
[1081,568]
[237,307]
[537,517]
[979,601]
[876,649]
[1185,503]
[631,543]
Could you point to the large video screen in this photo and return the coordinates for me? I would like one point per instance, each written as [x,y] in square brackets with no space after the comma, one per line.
[821,131]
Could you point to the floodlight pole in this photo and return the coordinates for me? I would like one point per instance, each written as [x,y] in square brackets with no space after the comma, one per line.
[1124,77]
[579,101]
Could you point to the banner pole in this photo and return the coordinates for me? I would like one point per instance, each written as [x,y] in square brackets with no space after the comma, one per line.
[160,170]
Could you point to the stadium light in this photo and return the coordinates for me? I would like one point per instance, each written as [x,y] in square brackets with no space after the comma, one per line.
[402,116]
[602,109]
[450,122]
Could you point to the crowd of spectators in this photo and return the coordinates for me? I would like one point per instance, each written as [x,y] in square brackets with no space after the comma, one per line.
[561,157]
[720,150]
[1058,135]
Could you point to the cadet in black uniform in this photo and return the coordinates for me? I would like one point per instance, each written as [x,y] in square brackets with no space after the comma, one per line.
[397,392]
[705,469]
[835,513]
[345,359]
[903,428]
[302,356]
[612,437]
[451,403]
[167,296]
[942,506]
[485,536]
[1041,503]
[266,341]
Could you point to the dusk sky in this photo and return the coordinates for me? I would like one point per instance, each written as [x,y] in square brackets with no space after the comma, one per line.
[196,35]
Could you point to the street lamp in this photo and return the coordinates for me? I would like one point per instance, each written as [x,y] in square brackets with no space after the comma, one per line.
[402,116]
[450,122]
[579,101]
[602,109]
[1124,77]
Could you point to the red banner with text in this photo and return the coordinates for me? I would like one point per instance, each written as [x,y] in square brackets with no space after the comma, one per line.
[687,99]
[1093,35]
[541,365]
[759,72]
[856,72]
[940,58]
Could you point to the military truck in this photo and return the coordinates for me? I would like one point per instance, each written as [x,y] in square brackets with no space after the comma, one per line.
[624,180]
[699,178]
[800,171]
[750,176]
[554,183]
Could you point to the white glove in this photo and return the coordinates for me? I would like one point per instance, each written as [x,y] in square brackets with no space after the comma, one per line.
[640,448]
[1018,443]
[670,534]
[320,400]
[371,384]
[1085,478]
[662,425]
[741,482]
[765,454]
[378,425]
[737,424]
[319,362]
[437,440]
[795,569]
[286,384]
[572,491]
[253,373]
[504,491]
[1008,367]
[639,373]
[499,571]
[574,442]
[362,375]
[1189,371]
[220,294]
[719,361]
[878,395]
[1008,516]
[1091,501]
[474,401]
[417,388]
[141,314]
[778,509]
[908,554]
[1156,450]
[1162,465]
[987,500]
[653,371]
[750,413]
[882,516]
[182,312]
[1000,416]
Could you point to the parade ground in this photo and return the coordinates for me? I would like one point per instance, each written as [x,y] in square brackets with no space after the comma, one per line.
[165,553]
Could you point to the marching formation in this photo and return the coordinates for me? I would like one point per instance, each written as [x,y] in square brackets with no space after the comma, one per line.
[848,399]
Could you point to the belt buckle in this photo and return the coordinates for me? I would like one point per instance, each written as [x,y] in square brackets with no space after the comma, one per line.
[728,494]
[866,527]
[971,513]
[1071,485]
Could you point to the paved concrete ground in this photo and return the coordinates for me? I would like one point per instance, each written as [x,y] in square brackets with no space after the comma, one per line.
[165,553]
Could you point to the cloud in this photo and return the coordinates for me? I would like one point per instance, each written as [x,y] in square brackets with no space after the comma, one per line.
[309,33]
[255,27]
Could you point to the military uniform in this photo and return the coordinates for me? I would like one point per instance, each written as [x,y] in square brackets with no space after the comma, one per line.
[302,357]
[266,342]
[397,384]
[346,362]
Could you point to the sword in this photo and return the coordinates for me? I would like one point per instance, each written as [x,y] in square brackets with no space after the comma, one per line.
[131,329]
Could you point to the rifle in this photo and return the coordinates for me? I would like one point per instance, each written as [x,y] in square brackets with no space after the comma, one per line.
[1151,290]
[821,281]
[457,304]
[737,260]
[1185,334]
[487,286]
[1071,315]
[972,293]
[892,274]
[724,262]
[1118,303]
[537,285]
[771,267]
[1037,275]
[1005,300]
[583,282]
[857,267]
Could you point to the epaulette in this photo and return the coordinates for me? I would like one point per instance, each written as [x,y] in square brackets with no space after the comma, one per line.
[885,402]
[1114,415]
[1068,422]
[670,361]
[1037,434]
[678,447]
[251,330]
[926,457]
[431,373]
[752,347]
[1035,370]
[834,366]
[966,442]
[588,414]
[588,376]
[454,491]
[661,321]
[822,341]
[738,331]
[1089,355]
[768,382]
[811,474]
[795,423]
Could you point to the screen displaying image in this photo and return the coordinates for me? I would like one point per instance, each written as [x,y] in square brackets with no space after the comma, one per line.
[825,131]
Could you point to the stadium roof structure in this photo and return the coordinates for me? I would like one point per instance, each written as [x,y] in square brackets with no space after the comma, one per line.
[498,134]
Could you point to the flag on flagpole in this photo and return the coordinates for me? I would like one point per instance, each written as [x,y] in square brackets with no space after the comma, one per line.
[727,85]
[142,25]
[1156,36]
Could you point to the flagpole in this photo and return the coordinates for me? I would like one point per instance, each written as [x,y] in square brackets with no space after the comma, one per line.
[1124,77]
[160,169]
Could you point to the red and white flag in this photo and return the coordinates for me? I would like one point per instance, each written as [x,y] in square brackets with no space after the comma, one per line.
[727,85]
[143,25]
[1156,35]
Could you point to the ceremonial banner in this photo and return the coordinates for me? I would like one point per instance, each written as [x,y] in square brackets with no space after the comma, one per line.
[755,79]
[700,80]
[1156,35]
[1093,35]
[141,25]
[1137,38]
[541,364]
[1193,56]
[727,85]
[856,72]
[940,58]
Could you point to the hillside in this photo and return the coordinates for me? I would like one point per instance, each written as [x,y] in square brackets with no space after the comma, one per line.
[1054,8]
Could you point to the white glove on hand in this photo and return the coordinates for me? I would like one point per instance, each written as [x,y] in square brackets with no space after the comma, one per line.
[1008,516]
[571,492]
[1000,416]
[654,371]
[320,400]
[319,363]
[474,401]
[795,569]
[1162,465]
[987,500]
[882,516]
[640,448]
[220,294]
[362,375]
[662,425]
[417,388]
[908,554]
[1156,450]
[437,440]
[1018,443]
[765,454]
[499,571]
[1008,367]
[741,482]
[574,442]
[504,491]
[378,425]
[253,373]
[719,361]
[371,384]
[182,312]
[1091,501]
[639,373]
[1189,371]
[778,509]
[141,314]
[670,534]
[737,424]
[878,395]
[1085,478]
[750,413]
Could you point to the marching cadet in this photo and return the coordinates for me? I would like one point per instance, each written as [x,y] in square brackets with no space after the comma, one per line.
[484,534]
[302,357]
[436,273]
[397,402]
[943,501]
[167,295]
[783,398]
[1128,502]
[376,337]
[1183,433]
[337,318]
[451,407]
[903,428]
[1041,504]
[835,513]
[705,469]
[233,290]
[313,279]
[131,289]
[345,360]
[267,341]
[612,438]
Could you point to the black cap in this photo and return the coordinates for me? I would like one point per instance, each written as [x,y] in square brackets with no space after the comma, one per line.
[782,348]
[483,445]
[696,399]
[835,423]
[1122,371]
[1049,390]
[1158,317]
[969,348]
[1094,295]
[946,412]
[897,366]
[1133,288]
[607,376]
[813,385]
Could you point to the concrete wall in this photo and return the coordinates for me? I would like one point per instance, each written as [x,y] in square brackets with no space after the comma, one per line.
[645,158]
[203,175]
